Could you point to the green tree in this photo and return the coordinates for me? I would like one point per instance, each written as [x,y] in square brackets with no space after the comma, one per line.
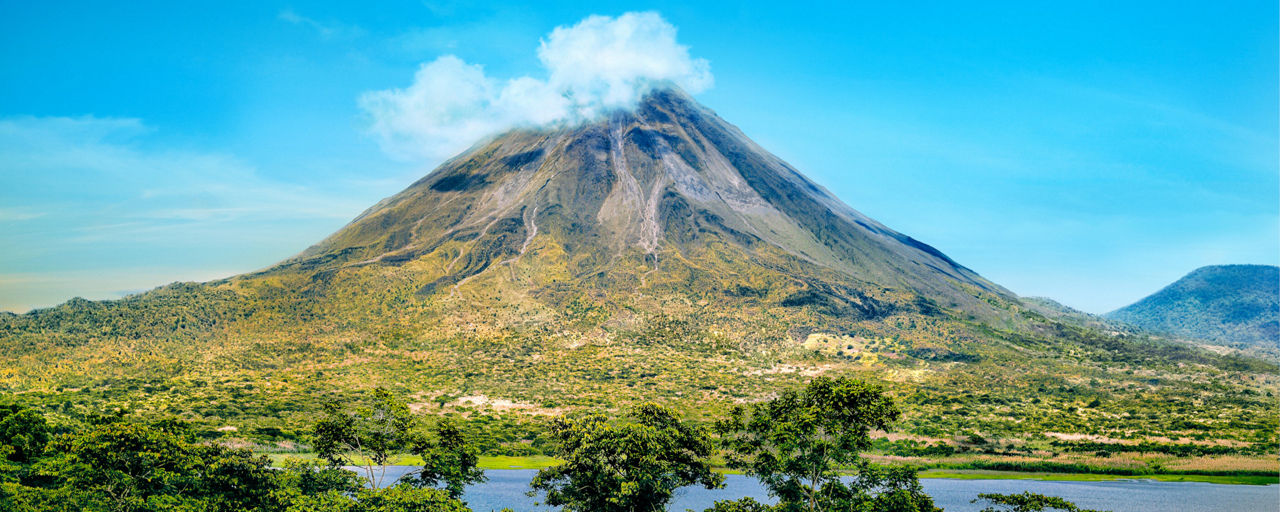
[798,444]
[23,437]
[739,505]
[24,431]
[118,466]
[1027,502]
[124,467]
[633,466]
[9,480]
[447,459]
[130,467]
[407,498]
[367,436]
[397,498]
[232,480]
[313,478]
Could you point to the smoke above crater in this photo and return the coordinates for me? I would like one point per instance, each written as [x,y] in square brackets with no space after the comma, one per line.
[599,64]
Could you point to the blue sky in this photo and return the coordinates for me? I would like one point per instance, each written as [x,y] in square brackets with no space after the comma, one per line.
[1087,151]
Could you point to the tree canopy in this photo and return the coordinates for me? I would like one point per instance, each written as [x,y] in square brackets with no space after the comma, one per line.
[117,465]
[800,444]
[369,435]
[1027,502]
[635,465]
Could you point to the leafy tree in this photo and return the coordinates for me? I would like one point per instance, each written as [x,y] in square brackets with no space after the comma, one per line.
[397,498]
[633,466]
[739,505]
[232,480]
[9,486]
[23,437]
[798,443]
[124,467]
[118,466]
[447,459]
[1027,502]
[406,498]
[325,502]
[24,431]
[313,478]
[367,436]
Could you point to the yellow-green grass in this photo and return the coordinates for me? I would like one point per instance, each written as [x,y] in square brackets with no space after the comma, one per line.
[486,461]
[489,462]
[518,462]
[982,474]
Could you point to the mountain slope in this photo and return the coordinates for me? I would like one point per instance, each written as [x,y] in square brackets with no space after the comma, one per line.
[657,254]
[1232,304]
[631,193]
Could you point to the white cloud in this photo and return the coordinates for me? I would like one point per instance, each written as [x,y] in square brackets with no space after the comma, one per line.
[605,62]
[601,63]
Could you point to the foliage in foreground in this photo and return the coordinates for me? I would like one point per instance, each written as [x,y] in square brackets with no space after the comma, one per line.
[1027,502]
[632,466]
[800,444]
[368,436]
[119,466]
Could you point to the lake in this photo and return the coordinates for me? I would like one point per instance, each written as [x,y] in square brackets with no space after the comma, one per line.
[506,488]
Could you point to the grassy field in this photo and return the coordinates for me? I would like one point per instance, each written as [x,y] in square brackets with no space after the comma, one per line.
[486,462]
[977,474]
[542,461]
[520,462]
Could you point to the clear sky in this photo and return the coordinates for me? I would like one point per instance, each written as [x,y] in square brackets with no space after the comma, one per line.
[1091,152]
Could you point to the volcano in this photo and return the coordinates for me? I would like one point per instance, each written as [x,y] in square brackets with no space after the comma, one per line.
[656,254]
[648,245]
[625,202]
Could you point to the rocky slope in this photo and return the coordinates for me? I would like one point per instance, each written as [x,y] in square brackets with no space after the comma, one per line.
[630,197]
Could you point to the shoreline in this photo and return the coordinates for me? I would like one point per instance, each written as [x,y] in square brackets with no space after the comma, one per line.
[507,462]
[542,461]
[984,474]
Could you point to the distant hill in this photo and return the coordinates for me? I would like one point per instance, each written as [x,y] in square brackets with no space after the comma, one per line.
[1229,304]
[1058,311]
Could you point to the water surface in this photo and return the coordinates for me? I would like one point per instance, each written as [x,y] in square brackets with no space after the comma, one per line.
[506,489]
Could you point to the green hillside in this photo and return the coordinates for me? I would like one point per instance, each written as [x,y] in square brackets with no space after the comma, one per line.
[1228,304]
[655,255]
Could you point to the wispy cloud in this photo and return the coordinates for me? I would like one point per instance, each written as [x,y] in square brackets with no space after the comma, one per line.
[107,194]
[601,63]
[19,214]
[105,164]
[326,30]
